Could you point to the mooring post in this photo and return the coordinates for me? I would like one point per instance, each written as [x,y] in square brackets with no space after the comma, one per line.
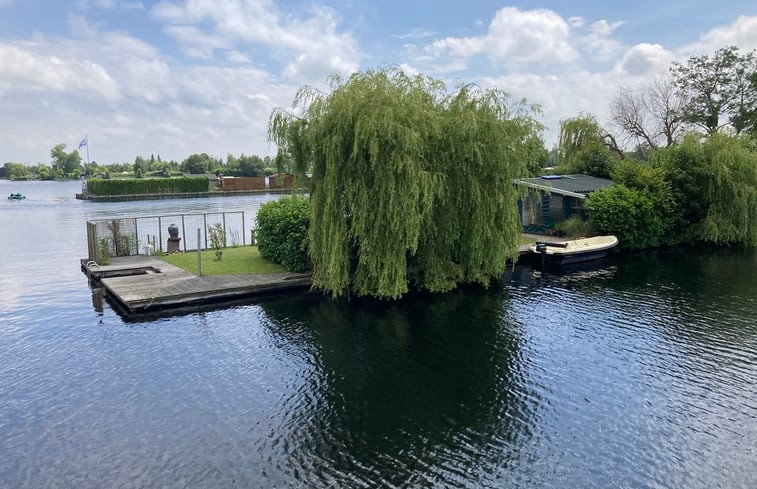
[199,255]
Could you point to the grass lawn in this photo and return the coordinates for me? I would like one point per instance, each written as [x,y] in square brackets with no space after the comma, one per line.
[526,240]
[236,261]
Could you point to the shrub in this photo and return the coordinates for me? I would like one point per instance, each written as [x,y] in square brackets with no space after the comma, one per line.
[575,227]
[654,181]
[715,181]
[629,214]
[115,186]
[282,228]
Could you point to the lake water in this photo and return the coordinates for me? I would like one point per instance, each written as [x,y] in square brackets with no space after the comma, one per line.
[642,374]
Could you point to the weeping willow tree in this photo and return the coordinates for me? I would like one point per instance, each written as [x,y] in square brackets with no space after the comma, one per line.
[716,180]
[411,184]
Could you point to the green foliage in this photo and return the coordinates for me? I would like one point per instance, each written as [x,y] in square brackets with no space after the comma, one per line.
[724,85]
[114,186]
[282,228]
[578,135]
[217,236]
[16,171]
[411,183]
[654,181]
[629,214]
[103,252]
[251,166]
[582,148]
[198,163]
[715,182]
[65,163]
[575,227]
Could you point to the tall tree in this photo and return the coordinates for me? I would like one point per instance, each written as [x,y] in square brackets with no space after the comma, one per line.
[410,183]
[65,163]
[251,166]
[715,180]
[650,116]
[198,163]
[584,147]
[719,90]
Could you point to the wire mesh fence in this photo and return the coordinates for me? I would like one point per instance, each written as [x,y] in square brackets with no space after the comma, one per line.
[153,234]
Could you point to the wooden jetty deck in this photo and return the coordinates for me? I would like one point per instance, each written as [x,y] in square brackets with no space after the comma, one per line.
[143,283]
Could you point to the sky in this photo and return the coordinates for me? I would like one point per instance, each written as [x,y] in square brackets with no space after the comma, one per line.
[176,77]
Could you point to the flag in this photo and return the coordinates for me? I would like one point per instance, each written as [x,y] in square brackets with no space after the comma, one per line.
[83,143]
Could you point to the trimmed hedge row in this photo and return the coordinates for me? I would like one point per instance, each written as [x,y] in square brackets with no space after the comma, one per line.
[282,229]
[97,186]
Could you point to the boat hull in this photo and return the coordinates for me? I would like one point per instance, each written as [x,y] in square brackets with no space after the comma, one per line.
[575,251]
[578,257]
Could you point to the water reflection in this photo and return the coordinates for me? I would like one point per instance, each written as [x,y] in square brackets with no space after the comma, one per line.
[404,391]
[643,374]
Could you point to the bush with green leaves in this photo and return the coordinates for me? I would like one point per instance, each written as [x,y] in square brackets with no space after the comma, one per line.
[575,227]
[117,186]
[282,228]
[654,181]
[714,180]
[629,214]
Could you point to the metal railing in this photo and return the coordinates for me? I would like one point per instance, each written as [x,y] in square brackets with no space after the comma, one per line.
[128,236]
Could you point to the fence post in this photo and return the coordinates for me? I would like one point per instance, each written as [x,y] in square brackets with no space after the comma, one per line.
[199,255]
[160,234]
[184,233]
[243,237]
[205,227]
[223,218]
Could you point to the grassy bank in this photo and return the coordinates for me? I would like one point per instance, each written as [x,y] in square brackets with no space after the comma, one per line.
[236,261]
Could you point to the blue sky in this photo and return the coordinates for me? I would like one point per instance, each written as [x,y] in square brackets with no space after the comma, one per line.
[177,77]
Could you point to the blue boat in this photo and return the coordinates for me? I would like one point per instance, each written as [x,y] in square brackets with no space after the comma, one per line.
[16,196]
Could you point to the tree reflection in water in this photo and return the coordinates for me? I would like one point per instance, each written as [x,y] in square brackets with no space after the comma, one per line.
[411,391]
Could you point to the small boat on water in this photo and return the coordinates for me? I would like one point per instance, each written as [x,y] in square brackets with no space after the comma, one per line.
[574,251]
[16,196]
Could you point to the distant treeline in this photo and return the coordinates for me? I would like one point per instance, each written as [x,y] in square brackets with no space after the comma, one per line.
[70,165]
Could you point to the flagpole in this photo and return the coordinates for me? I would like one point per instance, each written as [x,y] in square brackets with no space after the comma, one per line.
[86,138]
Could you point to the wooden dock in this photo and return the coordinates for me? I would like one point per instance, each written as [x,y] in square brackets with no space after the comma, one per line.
[140,284]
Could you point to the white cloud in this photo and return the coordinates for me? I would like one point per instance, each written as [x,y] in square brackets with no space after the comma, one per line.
[576,22]
[110,4]
[195,43]
[599,42]
[131,99]
[741,33]
[644,61]
[416,33]
[237,57]
[308,46]
[31,67]
[515,39]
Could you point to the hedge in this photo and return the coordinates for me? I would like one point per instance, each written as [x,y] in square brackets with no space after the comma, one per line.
[282,228]
[97,186]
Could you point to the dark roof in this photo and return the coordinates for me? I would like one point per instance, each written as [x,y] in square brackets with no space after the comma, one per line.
[572,185]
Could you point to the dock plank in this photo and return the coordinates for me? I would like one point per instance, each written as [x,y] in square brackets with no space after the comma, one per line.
[170,286]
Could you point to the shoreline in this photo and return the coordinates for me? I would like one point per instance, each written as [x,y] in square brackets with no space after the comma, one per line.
[179,195]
